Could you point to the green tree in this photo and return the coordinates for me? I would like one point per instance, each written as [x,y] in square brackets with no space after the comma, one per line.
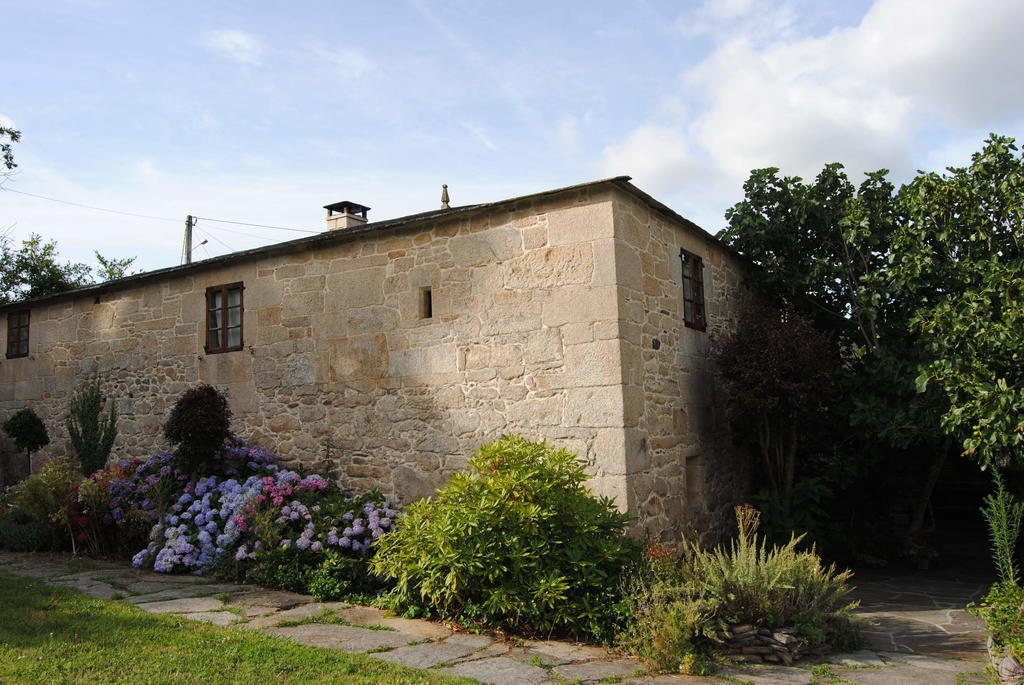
[824,246]
[27,431]
[6,146]
[111,268]
[198,425]
[960,249]
[35,270]
[92,434]
[777,369]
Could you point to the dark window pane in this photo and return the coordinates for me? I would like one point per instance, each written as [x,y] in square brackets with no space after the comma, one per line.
[214,339]
[234,337]
[235,316]
[234,297]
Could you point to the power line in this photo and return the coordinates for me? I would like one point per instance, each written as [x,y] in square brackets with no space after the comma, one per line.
[149,216]
[228,230]
[98,209]
[207,233]
[243,223]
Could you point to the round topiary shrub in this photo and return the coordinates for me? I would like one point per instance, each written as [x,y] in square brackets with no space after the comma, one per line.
[516,542]
[198,426]
[27,431]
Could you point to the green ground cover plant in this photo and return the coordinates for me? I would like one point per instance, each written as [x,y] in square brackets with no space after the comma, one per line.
[677,609]
[515,542]
[52,635]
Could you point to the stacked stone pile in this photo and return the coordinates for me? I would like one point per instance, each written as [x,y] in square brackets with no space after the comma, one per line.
[748,643]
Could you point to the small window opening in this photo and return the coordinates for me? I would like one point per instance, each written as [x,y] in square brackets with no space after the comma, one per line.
[426,304]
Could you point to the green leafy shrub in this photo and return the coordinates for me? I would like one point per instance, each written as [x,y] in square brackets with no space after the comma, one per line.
[516,542]
[20,533]
[198,426]
[341,575]
[44,496]
[287,569]
[27,431]
[676,610]
[92,434]
[1002,610]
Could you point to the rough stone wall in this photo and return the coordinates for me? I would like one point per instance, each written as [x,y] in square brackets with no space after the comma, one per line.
[340,372]
[545,316]
[684,471]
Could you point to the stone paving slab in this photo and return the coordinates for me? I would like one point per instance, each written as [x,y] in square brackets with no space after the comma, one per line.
[188,605]
[276,599]
[499,671]
[569,651]
[930,662]
[895,676]
[295,614]
[529,656]
[860,658]
[92,588]
[474,641]
[491,650]
[768,675]
[186,592]
[347,638]
[593,671]
[217,618]
[669,680]
[371,616]
[425,655]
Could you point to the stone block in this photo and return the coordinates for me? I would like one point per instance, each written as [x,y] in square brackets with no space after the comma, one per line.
[423,361]
[580,223]
[550,267]
[593,363]
[490,246]
[358,357]
[580,304]
[595,407]
[354,289]
[543,346]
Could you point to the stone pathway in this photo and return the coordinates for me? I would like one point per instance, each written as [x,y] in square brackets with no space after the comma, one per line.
[905,644]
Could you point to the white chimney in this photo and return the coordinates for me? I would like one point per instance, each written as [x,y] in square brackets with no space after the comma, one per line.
[342,215]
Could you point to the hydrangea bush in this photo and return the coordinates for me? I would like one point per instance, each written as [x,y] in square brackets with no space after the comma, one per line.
[251,520]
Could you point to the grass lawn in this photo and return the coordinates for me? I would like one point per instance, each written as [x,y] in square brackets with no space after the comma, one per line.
[56,635]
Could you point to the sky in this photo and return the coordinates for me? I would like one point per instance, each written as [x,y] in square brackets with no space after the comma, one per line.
[263,112]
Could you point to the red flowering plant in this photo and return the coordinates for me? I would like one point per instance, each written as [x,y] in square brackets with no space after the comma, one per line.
[109,512]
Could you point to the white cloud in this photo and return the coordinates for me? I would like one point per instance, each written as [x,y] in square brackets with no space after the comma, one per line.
[859,94]
[238,46]
[348,62]
[568,136]
[478,132]
[658,158]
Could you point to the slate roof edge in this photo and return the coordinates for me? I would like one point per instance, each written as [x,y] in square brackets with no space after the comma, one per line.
[329,237]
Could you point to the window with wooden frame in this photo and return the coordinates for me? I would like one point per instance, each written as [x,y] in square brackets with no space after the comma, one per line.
[693,291]
[224,318]
[17,334]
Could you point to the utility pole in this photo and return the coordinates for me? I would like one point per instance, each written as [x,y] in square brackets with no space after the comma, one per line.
[188,239]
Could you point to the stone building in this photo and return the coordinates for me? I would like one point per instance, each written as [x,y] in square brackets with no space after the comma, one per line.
[392,349]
